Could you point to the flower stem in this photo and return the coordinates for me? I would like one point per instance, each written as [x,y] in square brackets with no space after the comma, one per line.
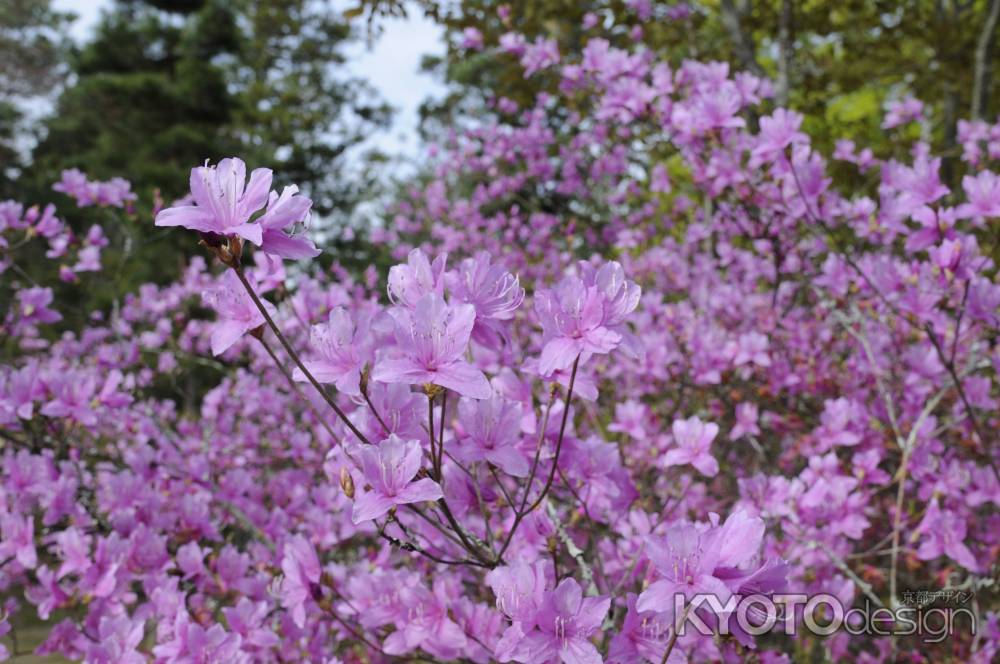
[674,634]
[521,513]
[295,356]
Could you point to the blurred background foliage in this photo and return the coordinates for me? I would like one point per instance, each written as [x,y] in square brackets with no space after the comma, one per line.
[836,62]
[165,84]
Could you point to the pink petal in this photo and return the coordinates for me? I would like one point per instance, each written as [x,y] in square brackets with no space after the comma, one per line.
[225,334]
[464,379]
[419,491]
[277,243]
[370,505]
[188,216]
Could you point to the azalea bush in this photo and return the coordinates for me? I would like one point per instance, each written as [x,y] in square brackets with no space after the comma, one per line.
[639,344]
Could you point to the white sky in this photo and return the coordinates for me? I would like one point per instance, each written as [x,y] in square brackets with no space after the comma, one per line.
[391,66]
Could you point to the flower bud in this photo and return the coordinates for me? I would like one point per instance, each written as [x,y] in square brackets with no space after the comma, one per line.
[347,482]
[366,372]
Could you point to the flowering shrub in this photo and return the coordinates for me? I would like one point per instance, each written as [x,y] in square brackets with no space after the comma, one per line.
[638,347]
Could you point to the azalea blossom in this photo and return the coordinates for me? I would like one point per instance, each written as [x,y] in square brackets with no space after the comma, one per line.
[494,292]
[693,439]
[284,210]
[562,627]
[236,310]
[342,349]
[301,571]
[389,468]
[224,201]
[585,316]
[490,431]
[411,281]
[431,340]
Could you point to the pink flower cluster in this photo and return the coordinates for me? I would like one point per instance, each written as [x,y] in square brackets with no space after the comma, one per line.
[116,192]
[518,449]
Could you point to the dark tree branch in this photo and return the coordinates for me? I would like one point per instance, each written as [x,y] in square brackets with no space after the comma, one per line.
[743,45]
[982,71]
[786,47]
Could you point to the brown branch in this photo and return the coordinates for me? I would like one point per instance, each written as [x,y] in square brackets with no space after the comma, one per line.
[982,69]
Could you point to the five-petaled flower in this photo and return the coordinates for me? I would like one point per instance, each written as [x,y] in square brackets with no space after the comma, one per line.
[341,351]
[694,441]
[389,469]
[585,315]
[431,340]
[237,312]
[224,201]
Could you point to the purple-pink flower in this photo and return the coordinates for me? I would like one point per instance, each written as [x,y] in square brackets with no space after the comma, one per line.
[236,311]
[283,211]
[562,627]
[224,201]
[490,430]
[584,316]
[431,340]
[409,282]
[301,571]
[341,349]
[494,292]
[17,539]
[389,468]
[693,439]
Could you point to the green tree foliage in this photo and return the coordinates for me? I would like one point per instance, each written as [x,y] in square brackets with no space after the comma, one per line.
[32,35]
[836,62]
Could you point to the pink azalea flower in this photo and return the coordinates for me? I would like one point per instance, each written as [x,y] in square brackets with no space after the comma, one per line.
[694,440]
[584,316]
[18,392]
[74,549]
[17,539]
[902,112]
[411,281]
[983,192]
[119,638]
[472,39]
[427,625]
[631,418]
[519,589]
[34,306]
[944,535]
[685,560]
[719,560]
[642,638]
[341,351]
[250,620]
[389,468]
[48,595]
[286,210]
[193,643]
[494,292]
[835,424]
[563,625]
[224,201]
[778,131]
[236,310]
[431,340]
[490,431]
[301,570]
[746,421]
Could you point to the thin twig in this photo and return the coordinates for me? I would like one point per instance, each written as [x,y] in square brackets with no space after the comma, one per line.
[295,356]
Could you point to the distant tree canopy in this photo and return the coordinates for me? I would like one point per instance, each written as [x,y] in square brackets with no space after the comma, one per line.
[836,62]
[167,84]
[32,36]
[164,85]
